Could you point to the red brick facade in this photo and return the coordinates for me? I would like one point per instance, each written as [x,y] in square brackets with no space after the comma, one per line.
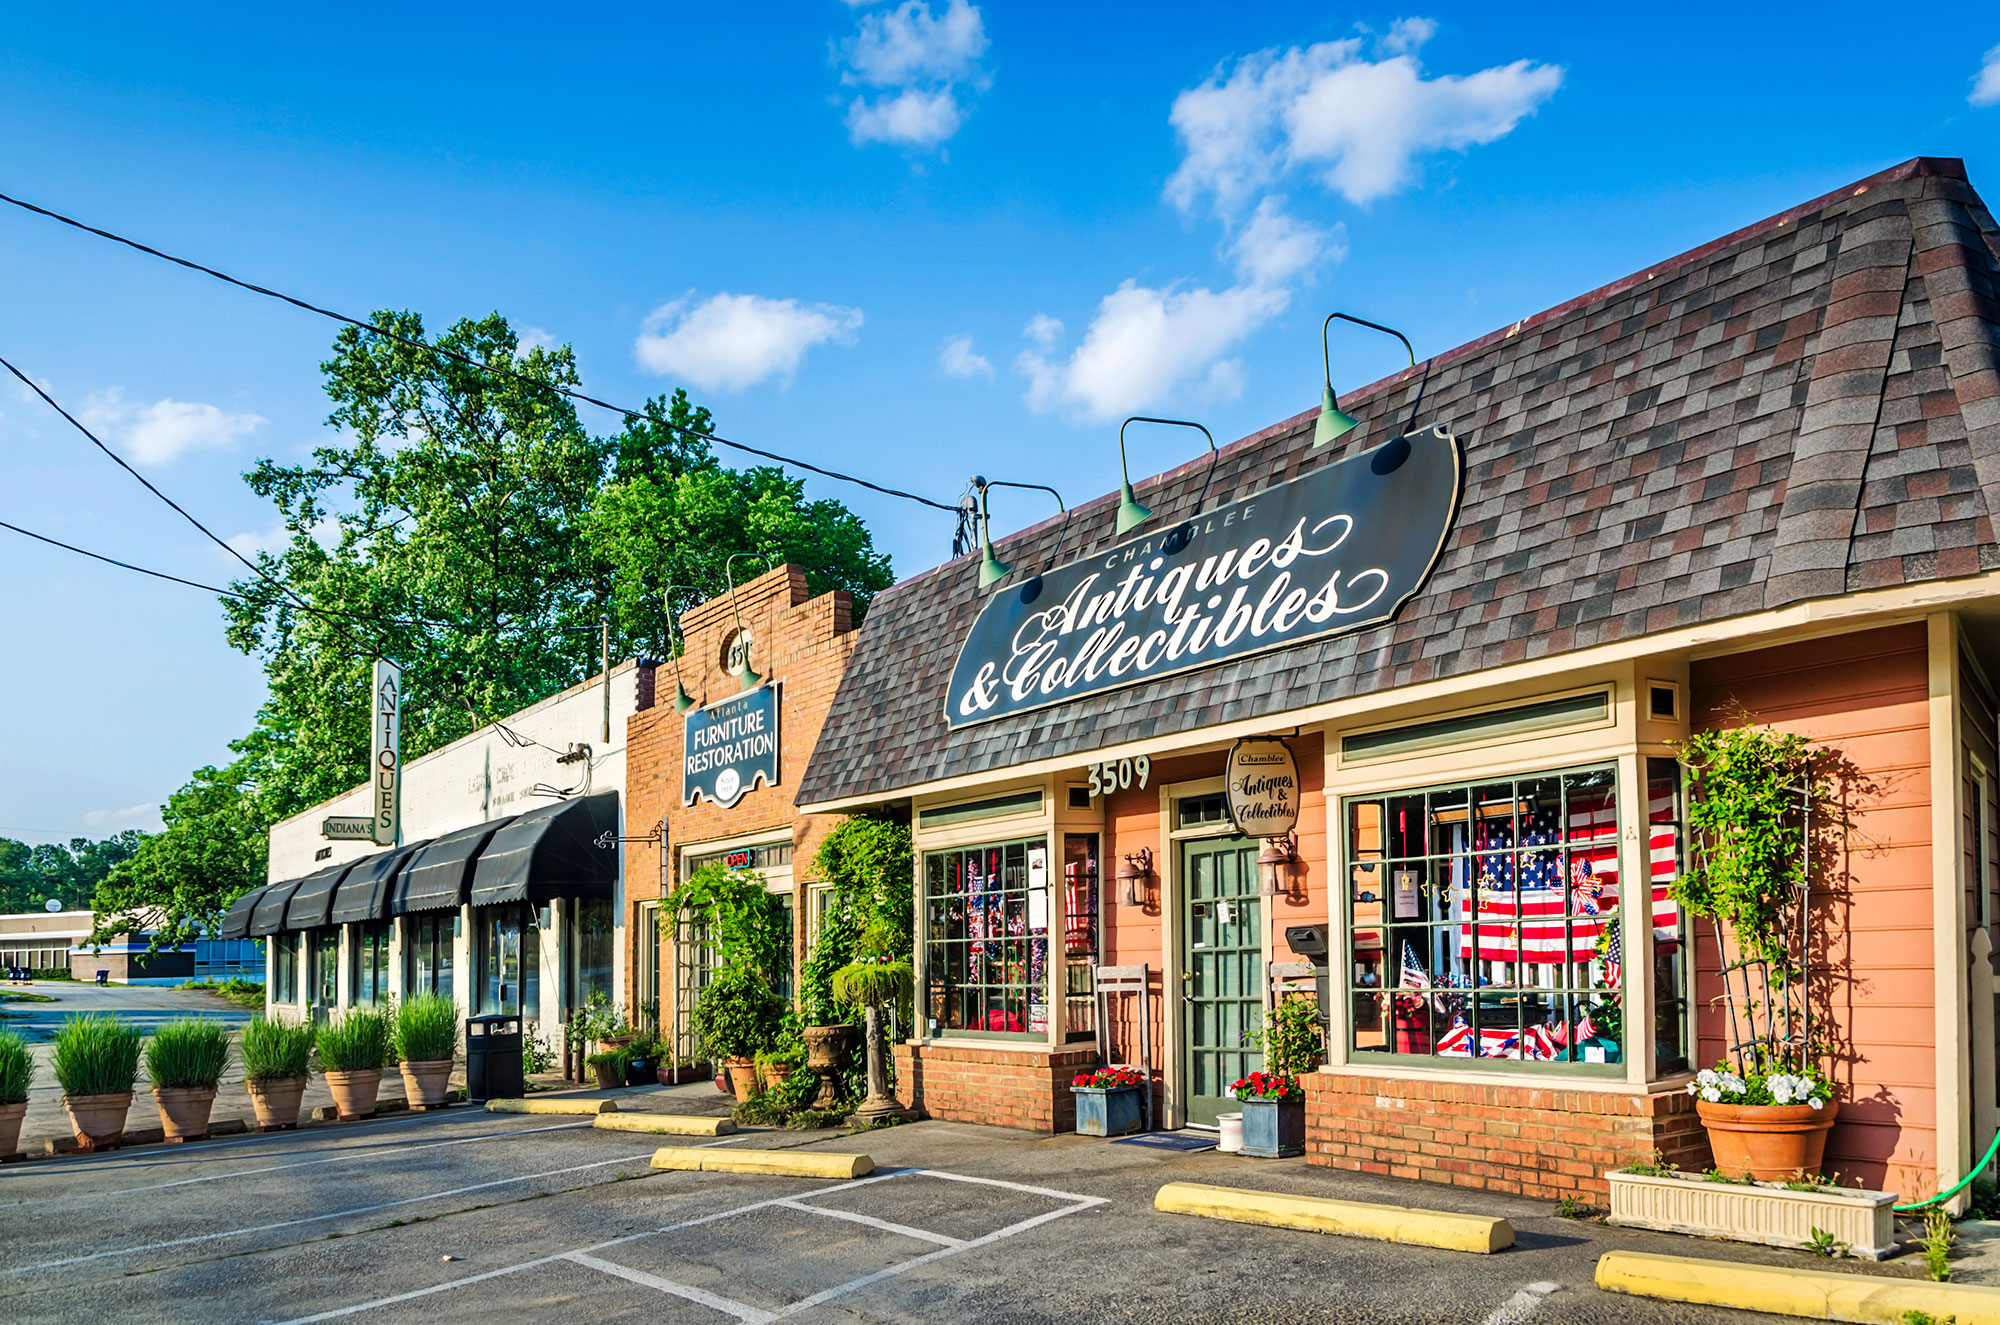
[1001,1085]
[1534,1141]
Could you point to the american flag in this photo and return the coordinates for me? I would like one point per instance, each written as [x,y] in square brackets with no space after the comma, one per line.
[1414,975]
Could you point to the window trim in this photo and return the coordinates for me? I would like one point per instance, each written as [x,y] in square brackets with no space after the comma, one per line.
[1022,1037]
[1469,728]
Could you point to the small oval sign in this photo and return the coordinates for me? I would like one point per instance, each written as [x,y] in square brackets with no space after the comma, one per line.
[1263,787]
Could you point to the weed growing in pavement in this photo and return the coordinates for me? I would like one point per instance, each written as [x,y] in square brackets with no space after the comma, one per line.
[1938,1237]
[1823,1243]
[1656,1167]
[536,1055]
[1569,1207]
[1916,1317]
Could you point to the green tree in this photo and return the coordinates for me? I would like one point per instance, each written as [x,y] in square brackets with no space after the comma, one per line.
[211,848]
[31,875]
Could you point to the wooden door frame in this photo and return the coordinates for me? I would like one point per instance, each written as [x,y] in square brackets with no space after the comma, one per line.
[1173,1114]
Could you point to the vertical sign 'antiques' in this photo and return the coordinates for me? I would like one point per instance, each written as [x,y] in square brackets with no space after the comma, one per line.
[727,747]
[1263,787]
[385,757]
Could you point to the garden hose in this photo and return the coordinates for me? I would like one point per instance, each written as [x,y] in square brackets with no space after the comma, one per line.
[1964,1182]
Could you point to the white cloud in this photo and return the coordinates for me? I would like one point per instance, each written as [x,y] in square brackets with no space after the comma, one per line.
[279,537]
[922,61]
[1359,124]
[146,817]
[529,339]
[166,429]
[958,360]
[1143,345]
[1042,331]
[1275,246]
[1986,86]
[732,341]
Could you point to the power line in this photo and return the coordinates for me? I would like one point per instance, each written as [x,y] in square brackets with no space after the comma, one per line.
[467,360]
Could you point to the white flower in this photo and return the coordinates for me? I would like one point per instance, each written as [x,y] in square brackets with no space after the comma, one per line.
[1781,1090]
[1691,1088]
[1707,1076]
[1817,1103]
[1712,1095]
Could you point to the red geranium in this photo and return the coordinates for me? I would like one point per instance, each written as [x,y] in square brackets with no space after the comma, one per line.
[1267,1086]
[1107,1078]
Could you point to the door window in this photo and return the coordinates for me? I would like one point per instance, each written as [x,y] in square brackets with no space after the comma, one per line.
[1222,962]
[510,961]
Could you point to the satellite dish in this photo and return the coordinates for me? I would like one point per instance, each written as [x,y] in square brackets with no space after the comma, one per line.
[53,904]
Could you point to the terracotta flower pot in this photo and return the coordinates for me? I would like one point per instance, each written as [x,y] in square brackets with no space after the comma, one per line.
[184,1111]
[276,1101]
[354,1092]
[743,1078]
[722,1081]
[773,1073]
[1771,1142]
[427,1085]
[99,1120]
[664,1075]
[10,1127]
[610,1076]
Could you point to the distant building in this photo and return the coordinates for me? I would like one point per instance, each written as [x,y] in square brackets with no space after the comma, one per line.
[51,940]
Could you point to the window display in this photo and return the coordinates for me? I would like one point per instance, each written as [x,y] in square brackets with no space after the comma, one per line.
[1080,936]
[368,974]
[986,911]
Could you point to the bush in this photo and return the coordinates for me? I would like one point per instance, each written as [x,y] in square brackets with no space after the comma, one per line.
[188,1054]
[736,1015]
[51,973]
[427,1029]
[598,1019]
[275,1049]
[17,1068]
[610,1059]
[357,1042]
[243,993]
[97,1055]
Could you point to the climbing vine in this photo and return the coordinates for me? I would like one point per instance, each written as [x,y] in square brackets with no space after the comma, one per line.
[1747,789]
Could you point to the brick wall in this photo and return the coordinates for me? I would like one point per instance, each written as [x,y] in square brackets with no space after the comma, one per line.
[1533,1141]
[1000,1085]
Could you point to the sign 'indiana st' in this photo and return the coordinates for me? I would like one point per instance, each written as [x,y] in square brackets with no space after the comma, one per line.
[1335,550]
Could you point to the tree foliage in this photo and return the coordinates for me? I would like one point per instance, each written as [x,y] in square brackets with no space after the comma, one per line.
[210,850]
[31,875]
[745,921]
[871,866]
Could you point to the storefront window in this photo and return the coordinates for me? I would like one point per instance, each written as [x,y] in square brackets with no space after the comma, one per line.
[284,968]
[591,940]
[986,914]
[1081,951]
[1484,921]
[323,969]
[1671,931]
[369,976]
[427,961]
[510,960]
[694,965]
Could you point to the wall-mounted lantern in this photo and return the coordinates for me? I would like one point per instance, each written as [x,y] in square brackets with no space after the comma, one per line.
[683,701]
[1135,873]
[1274,864]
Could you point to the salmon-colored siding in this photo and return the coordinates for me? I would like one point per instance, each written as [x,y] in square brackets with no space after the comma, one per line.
[1864,695]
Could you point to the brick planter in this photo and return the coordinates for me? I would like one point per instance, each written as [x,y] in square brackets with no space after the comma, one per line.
[971,1082]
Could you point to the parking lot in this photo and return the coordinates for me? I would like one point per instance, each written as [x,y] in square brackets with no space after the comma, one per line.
[470,1216]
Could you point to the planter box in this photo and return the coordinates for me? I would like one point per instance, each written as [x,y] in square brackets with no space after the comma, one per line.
[1754,1212]
[1107,1112]
[1274,1129]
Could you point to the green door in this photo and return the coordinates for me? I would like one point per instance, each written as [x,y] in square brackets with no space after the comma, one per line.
[1222,960]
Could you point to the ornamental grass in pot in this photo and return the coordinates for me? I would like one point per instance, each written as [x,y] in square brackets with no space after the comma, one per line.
[277,1057]
[185,1060]
[426,1044]
[97,1061]
[608,1066]
[17,1073]
[352,1053]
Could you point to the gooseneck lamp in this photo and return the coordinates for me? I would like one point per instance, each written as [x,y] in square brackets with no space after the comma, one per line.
[1130,513]
[747,677]
[991,569]
[683,701]
[1334,422]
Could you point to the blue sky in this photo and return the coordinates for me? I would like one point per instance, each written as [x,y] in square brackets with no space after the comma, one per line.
[914,241]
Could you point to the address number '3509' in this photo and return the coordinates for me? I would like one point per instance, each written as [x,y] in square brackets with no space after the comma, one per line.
[1120,775]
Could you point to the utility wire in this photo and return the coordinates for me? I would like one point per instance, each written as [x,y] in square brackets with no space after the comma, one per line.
[467,360]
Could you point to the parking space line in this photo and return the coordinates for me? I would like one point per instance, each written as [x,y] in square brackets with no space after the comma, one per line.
[1522,1305]
[1012,1186]
[749,1315]
[315,1219]
[900,1230]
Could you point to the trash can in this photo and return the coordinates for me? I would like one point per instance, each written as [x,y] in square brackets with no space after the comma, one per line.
[493,1058]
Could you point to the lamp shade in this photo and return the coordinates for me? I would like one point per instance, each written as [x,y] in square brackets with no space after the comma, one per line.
[1334,422]
[1130,513]
[991,569]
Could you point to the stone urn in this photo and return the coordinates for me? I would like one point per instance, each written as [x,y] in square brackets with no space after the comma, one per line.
[827,1048]
[184,1111]
[276,1101]
[427,1085]
[99,1120]
[10,1127]
[354,1092]
[743,1078]
[1769,1142]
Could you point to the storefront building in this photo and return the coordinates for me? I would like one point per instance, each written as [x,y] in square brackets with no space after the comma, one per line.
[1460,643]
[504,893]
[718,748]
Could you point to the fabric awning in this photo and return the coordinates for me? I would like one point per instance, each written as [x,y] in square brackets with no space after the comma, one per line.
[313,901]
[364,894]
[268,917]
[236,920]
[436,878]
[564,849]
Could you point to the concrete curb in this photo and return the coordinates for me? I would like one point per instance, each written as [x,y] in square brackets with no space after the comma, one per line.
[672,1124]
[789,1163]
[1779,1291]
[552,1106]
[1355,1219]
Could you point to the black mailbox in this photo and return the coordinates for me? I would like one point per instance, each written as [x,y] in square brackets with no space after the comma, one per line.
[1310,942]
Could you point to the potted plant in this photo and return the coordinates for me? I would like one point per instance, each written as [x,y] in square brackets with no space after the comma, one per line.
[1108,1101]
[352,1053]
[640,1058]
[426,1044]
[185,1060]
[599,1021]
[277,1056]
[609,1066]
[879,974]
[17,1072]
[736,1015]
[1274,1115]
[1752,792]
[97,1061]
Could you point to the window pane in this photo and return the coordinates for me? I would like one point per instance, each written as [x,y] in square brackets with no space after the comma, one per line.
[987,911]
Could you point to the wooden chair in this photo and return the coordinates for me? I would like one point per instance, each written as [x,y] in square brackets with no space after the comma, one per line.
[1131,980]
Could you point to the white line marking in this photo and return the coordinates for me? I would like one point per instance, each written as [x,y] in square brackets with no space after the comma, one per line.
[1012,1186]
[1522,1305]
[354,1155]
[316,1219]
[900,1230]
[744,1312]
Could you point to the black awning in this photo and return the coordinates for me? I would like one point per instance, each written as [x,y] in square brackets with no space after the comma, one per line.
[236,920]
[311,904]
[364,894]
[565,849]
[268,917]
[436,878]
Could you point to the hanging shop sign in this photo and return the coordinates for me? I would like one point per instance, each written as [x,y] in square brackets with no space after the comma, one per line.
[1335,550]
[727,747]
[385,756]
[1263,784]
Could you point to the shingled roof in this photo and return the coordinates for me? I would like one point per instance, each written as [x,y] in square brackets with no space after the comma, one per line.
[1802,409]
